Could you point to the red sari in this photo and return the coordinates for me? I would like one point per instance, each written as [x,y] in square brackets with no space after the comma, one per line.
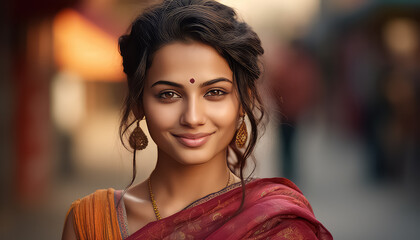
[274,209]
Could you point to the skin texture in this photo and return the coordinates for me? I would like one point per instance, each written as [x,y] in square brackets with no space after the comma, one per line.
[190,108]
[174,107]
[208,106]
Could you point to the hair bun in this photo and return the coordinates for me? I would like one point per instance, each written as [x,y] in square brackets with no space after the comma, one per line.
[130,54]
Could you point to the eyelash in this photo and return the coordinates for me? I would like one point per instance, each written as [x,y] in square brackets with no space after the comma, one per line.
[219,91]
[161,95]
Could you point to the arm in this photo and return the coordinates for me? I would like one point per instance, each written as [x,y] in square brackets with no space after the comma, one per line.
[68,231]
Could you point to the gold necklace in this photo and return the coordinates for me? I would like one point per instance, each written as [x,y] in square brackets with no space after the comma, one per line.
[152,197]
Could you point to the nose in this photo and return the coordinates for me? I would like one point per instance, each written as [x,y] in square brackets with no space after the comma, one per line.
[193,113]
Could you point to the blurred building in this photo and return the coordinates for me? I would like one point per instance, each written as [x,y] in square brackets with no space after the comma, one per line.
[370,56]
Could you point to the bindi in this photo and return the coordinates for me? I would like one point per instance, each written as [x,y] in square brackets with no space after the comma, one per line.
[192,80]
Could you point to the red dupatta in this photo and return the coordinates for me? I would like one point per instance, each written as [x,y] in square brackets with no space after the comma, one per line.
[274,209]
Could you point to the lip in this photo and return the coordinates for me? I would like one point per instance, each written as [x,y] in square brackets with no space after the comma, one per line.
[192,140]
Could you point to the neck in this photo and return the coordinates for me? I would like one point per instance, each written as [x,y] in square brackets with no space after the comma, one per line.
[175,185]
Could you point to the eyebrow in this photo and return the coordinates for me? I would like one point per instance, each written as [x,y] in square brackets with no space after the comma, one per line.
[204,84]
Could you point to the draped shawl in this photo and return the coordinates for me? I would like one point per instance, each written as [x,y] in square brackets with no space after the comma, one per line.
[274,208]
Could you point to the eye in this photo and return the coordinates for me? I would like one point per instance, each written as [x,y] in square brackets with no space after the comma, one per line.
[215,93]
[168,95]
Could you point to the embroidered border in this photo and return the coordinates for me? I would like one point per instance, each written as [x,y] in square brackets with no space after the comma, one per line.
[215,194]
[121,214]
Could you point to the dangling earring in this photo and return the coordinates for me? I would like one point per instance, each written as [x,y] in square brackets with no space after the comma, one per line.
[138,140]
[241,134]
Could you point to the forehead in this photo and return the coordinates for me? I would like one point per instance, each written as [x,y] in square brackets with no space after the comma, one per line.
[180,61]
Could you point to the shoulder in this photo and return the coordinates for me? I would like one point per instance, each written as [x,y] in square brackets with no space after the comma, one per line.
[280,192]
[278,186]
[277,181]
[281,202]
[98,194]
[98,199]
[91,211]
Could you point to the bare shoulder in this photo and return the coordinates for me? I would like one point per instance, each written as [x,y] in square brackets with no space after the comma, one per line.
[138,207]
[68,231]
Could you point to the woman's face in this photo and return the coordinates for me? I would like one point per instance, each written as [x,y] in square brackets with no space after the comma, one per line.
[190,103]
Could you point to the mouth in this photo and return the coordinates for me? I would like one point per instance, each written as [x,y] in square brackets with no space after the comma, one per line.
[193,140]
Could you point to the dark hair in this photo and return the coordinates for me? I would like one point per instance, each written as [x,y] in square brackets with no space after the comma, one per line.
[205,21]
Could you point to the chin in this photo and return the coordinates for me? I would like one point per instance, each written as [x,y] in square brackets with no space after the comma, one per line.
[192,157]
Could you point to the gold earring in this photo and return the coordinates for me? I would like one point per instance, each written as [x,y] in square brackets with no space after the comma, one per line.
[138,140]
[241,134]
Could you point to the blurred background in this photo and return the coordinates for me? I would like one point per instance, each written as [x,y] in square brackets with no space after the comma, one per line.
[342,82]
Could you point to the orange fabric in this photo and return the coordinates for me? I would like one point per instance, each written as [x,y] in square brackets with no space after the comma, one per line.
[95,216]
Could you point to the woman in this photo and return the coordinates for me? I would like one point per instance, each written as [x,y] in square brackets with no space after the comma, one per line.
[192,68]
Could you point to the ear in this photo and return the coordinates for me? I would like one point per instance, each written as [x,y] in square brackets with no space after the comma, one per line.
[241,111]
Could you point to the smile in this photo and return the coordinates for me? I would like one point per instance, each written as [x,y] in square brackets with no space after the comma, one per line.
[192,140]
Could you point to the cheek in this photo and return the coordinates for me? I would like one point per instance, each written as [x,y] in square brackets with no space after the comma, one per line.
[159,116]
[225,113]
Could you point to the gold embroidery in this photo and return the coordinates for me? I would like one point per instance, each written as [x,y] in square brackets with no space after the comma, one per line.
[194,226]
[177,236]
[260,219]
[290,233]
[216,216]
